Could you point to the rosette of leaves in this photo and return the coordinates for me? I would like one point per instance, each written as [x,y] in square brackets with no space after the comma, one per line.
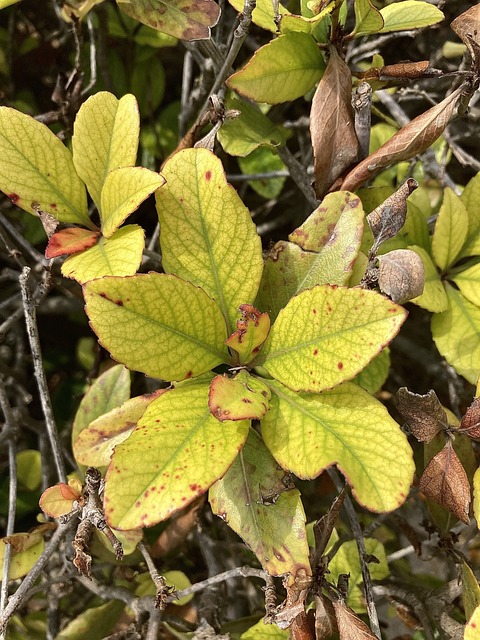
[40,175]
[231,364]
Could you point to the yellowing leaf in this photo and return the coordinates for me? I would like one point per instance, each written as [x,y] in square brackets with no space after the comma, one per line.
[58,500]
[206,233]
[257,500]
[158,324]
[37,172]
[450,230]
[96,443]
[472,626]
[282,70]
[471,589]
[123,192]
[293,23]
[71,240]
[468,281]
[174,455]
[119,255]
[433,297]
[105,137]
[410,14]
[327,335]
[471,199]
[346,426]
[262,14]
[243,397]
[456,333]
[252,329]
[26,548]
[375,373]
[262,631]
[182,19]
[368,19]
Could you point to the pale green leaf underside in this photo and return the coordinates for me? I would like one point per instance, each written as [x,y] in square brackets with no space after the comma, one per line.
[174,455]
[105,137]
[255,503]
[346,426]
[456,333]
[123,192]
[450,231]
[433,297]
[468,281]
[36,170]
[368,19]
[206,233]
[327,335]
[119,255]
[282,70]
[157,324]
[411,14]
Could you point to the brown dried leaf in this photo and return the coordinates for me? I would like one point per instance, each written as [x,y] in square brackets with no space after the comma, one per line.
[424,415]
[335,144]
[325,621]
[445,481]
[322,529]
[412,139]
[350,627]
[389,217]
[401,275]
[470,424]
[467,28]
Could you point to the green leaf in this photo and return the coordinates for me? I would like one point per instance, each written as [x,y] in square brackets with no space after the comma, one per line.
[282,70]
[471,199]
[257,501]
[367,18]
[37,172]
[94,623]
[95,444]
[346,426]
[471,590]
[119,255]
[242,397]
[327,335]
[263,160]
[262,631]
[468,281]
[175,454]
[242,135]
[123,192]
[157,324]
[108,391]
[373,377]
[434,297]
[300,24]
[182,19]
[26,548]
[456,333]
[263,13]
[347,560]
[410,14]
[29,469]
[105,137]
[450,231]
[206,233]
[415,230]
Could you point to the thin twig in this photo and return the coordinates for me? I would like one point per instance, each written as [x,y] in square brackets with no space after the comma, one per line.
[238,572]
[93,55]
[362,106]
[34,339]
[299,175]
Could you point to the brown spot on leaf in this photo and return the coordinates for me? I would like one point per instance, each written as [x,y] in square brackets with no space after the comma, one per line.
[208,176]
[315,352]
[340,365]
[14,197]
[189,374]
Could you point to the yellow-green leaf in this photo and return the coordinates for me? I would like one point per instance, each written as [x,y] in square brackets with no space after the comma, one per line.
[37,172]
[158,324]
[471,590]
[119,255]
[29,468]
[94,623]
[175,454]
[7,3]
[242,397]
[468,281]
[456,333]
[476,496]
[347,560]
[252,329]
[95,444]
[26,548]
[294,23]
[472,626]
[410,14]
[327,335]
[368,19]
[471,199]
[346,426]
[451,230]
[105,137]
[263,13]
[282,70]
[258,501]
[206,233]
[263,631]
[433,297]
[182,19]
[374,375]
[123,192]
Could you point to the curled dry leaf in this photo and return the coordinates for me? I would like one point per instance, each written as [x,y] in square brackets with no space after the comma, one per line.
[389,217]
[445,481]
[412,139]
[401,275]
[470,424]
[335,144]
[325,621]
[424,415]
[350,626]
[467,28]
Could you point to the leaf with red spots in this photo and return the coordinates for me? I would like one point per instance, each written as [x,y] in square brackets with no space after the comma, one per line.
[68,241]
[326,335]
[174,455]
[306,433]
[96,443]
[252,330]
[184,19]
[257,499]
[243,397]
[472,627]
